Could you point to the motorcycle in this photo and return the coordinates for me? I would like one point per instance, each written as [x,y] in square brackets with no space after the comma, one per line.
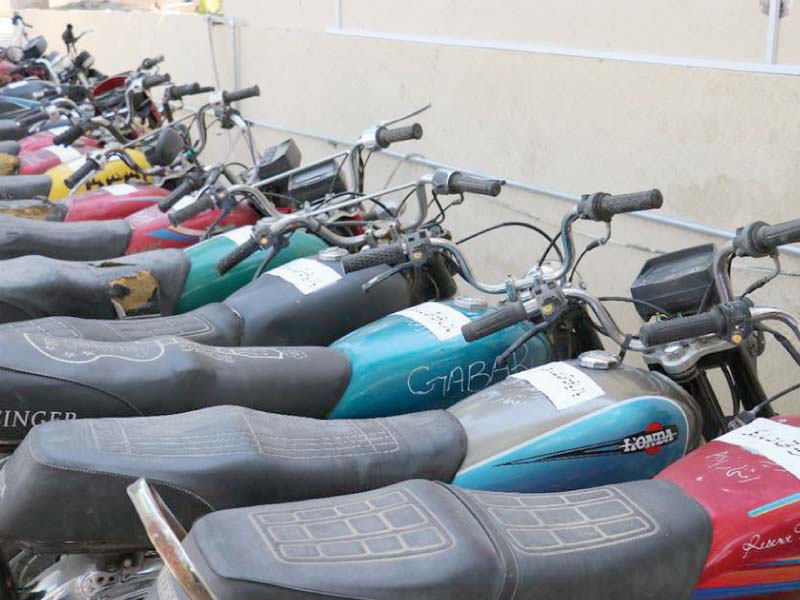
[140,231]
[270,459]
[37,287]
[720,523]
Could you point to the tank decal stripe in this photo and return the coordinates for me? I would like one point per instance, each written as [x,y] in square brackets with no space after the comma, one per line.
[571,424]
[775,505]
[746,590]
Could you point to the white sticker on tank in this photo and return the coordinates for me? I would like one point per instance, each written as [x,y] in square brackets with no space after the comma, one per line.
[306,275]
[64,154]
[442,320]
[16,84]
[564,385]
[121,189]
[239,235]
[778,442]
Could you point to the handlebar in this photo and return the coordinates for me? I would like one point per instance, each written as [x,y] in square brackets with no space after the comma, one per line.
[602,207]
[760,239]
[32,119]
[176,92]
[151,81]
[502,318]
[230,260]
[202,204]
[231,97]
[712,322]
[389,254]
[386,137]
[470,184]
[68,137]
[149,63]
[86,169]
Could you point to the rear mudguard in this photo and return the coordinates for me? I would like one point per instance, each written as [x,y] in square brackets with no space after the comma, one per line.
[418,360]
[152,229]
[205,285]
[115,171]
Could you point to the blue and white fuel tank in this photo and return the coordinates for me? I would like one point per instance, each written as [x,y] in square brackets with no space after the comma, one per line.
[575,424]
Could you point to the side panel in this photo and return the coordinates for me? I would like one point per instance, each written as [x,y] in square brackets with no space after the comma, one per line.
[400,366]
[205,285]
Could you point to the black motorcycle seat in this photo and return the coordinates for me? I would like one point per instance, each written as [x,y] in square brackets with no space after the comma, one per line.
[10,147]
[159,376]
[11,130]
[422,539]
[346,300]
[245,318]
[213,324]
[86,240]
[207,460]
[36,286]
[24,187]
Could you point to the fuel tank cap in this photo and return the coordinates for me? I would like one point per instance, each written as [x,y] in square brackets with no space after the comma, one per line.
[471,303]
[598,360]
[332,254]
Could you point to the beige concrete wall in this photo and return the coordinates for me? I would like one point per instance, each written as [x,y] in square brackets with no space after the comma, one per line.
[721,144]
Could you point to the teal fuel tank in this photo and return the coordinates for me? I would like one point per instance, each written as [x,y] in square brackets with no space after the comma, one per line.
[417,359]
[204,285]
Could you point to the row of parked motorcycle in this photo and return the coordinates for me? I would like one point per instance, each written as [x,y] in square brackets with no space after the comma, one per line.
[233,381]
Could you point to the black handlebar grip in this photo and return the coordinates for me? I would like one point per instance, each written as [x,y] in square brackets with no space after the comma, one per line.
[184,189]
[149,63]
[200,205]
[68,137]
[389,254]
[502,318]
[470,184]
[386,137]
[152,81]
[85,169]
[760,239]
[176,92]
[32,119]
[231,97]
[683,328]
[602,207]
[232,259]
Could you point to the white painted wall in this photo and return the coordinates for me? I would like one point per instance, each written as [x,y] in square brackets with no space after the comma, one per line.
[720,139]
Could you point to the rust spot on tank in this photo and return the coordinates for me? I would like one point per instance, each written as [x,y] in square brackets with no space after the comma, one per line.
[134,291]
[37,212]
[9,164]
